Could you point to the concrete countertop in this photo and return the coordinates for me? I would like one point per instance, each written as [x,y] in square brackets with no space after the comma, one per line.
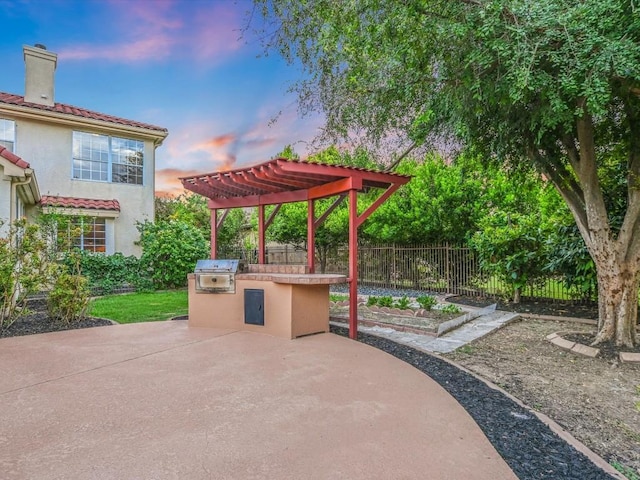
[295,278]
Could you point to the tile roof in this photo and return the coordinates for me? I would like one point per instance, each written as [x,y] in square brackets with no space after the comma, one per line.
[71,202]
[11,99]
[13,158]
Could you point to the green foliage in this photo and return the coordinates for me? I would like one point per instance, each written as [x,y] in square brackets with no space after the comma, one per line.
[568,256]
[108,272]
[289,153]
[372,300]
[68,299]
[552,84]
[466,349]
[192,209]
[170,250]
[26,267]
[338,297]
[442,203]
[450,308]
[628,472]
[290,223]
[403,303]
[427,301]
[512,247]
[385,301]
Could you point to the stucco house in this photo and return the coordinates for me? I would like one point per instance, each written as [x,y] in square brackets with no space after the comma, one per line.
[95,167]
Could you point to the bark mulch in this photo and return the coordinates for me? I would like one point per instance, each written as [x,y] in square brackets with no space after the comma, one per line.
[37,320]
[536,307]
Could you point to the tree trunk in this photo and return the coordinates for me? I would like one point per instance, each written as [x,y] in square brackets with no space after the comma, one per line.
[618,304]
[516,295]
[322,256]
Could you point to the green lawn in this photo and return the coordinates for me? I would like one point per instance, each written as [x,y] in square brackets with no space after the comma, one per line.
[140,307]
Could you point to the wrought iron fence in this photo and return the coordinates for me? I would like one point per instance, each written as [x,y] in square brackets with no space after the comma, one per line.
[276,255]
[446,269]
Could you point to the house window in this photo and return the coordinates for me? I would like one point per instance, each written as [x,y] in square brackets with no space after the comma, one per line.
[86,233]
[7,134]
[107,159]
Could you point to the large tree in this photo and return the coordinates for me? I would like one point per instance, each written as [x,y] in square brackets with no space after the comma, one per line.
[554,84]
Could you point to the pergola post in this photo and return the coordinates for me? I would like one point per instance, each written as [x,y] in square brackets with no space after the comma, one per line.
[311,235]
[353,264]
[214,233]
[261,235]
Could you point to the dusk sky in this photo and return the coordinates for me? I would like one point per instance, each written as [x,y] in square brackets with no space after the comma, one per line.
[178,64]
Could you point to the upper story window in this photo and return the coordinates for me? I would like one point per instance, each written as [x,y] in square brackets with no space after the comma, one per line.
[107,159]
[8,134]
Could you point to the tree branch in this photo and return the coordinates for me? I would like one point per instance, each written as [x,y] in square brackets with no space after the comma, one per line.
[397,161]
[629,236]
[572,151]
[587,174]
[566,186]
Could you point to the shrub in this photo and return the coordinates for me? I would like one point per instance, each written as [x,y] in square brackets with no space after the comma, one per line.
[69,298]
[450,308]
[427,301]
[25,268]
[385,301]
[403,303]
[371,301]
[170,250]
[108,272]
[511,246]
[338,297]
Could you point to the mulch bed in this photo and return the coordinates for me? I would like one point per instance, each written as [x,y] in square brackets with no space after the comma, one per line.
[37,320]
[529,447]
[538,307]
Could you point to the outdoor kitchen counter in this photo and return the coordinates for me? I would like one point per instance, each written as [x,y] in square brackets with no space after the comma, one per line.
[281,300]
[295,278]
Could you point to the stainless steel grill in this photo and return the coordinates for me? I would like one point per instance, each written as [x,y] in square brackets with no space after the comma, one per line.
[217,276]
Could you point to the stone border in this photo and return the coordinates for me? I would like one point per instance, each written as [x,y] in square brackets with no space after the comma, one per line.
[587,351]
[344,322]
[409,312]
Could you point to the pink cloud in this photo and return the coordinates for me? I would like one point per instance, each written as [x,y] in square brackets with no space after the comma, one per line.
[218,141]
[205,145]
[168,183]
[151,48]
[154,30]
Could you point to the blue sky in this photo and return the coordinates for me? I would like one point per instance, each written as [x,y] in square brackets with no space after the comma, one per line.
[179,64]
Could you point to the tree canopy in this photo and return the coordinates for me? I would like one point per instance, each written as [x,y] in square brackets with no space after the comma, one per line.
[552,84]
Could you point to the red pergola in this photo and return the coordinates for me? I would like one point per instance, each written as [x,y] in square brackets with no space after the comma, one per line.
[282,181]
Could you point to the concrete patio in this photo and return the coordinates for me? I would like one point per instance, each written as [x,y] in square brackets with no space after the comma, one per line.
[165,401]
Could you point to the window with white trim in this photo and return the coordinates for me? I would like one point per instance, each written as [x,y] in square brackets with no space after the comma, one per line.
[107,159]
[86,233]
[8,134]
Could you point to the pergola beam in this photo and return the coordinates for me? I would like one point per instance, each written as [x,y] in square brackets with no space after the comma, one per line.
[331,208]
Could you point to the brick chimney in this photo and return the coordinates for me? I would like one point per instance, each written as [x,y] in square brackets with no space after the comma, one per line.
[40,66]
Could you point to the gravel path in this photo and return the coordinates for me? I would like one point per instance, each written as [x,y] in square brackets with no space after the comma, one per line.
[381,292]
[529,446]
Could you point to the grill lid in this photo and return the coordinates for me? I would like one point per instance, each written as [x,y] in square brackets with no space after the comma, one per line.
[217,266]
